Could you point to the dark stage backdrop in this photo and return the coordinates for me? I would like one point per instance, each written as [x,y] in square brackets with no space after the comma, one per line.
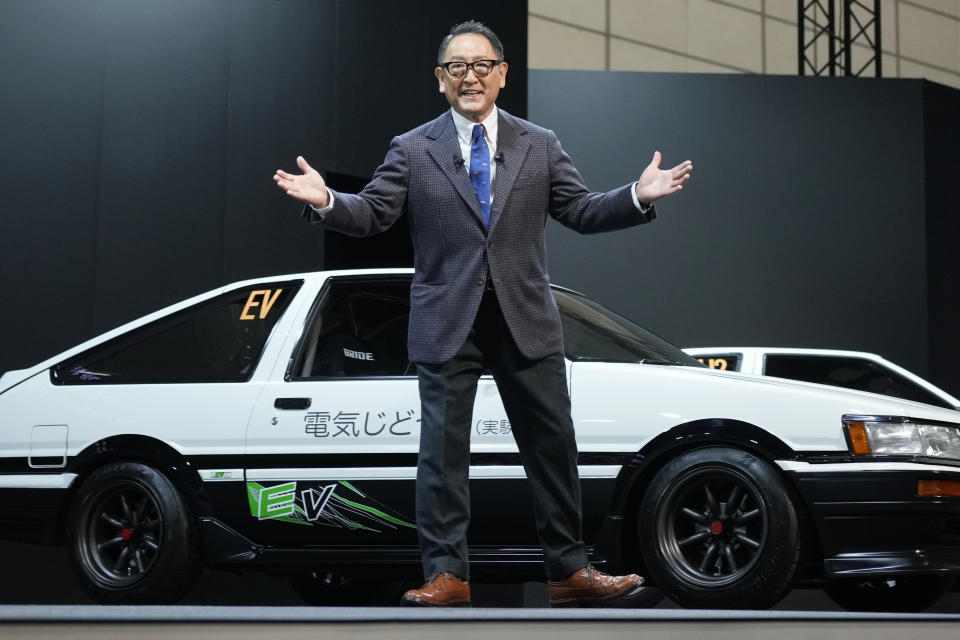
[941,122]
[138,141]
[805,223]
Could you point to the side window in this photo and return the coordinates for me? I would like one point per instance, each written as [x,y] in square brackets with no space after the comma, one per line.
[219,340]
[357,329]
[850,373]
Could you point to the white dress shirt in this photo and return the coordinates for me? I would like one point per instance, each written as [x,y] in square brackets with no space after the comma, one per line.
[465,136]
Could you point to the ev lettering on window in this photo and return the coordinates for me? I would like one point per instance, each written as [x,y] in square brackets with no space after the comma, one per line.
[263,298]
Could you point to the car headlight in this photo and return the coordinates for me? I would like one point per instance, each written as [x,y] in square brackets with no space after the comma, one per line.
[894,436]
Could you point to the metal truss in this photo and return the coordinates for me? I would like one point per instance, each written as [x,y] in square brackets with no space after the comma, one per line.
[848,44]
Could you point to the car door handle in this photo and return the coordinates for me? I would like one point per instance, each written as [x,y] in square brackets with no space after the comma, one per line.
[292,403]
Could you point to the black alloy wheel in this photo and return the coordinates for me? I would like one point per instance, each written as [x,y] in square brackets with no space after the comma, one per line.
[712,527]
[131,538]
[718,529]
[122,533]
[895,594]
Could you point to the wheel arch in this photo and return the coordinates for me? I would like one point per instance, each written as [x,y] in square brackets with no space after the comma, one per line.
[636,476]
[134,448]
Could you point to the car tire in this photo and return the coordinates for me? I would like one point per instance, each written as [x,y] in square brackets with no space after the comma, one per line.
[131,538]
[718,529]
[900,594]
[328,589]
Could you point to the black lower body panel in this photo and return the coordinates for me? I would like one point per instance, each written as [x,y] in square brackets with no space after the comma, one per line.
[226,548]
[874,523]
[30,515]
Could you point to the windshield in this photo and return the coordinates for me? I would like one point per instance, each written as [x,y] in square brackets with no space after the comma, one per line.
[592,332]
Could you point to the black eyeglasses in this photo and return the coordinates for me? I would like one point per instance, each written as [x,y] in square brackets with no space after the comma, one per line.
[480,67]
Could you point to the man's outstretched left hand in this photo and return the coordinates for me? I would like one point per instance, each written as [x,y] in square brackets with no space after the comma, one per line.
[655,183]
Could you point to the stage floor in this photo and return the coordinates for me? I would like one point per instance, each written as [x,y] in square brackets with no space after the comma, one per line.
[214,622]
[39,599]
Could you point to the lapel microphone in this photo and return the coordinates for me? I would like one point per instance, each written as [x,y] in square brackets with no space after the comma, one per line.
[498,158]
[458,161]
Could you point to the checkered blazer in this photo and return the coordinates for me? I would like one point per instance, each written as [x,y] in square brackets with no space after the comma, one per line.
[424,174]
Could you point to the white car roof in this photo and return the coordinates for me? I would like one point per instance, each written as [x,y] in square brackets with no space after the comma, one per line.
[14,377]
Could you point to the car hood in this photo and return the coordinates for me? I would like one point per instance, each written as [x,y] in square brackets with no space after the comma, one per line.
[908,408]
[650,399]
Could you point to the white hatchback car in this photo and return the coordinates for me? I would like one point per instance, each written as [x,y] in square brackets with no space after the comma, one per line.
[272,425]
[858,370]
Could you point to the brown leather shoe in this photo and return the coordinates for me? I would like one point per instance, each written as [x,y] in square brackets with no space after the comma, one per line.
[591,588]
[440,590]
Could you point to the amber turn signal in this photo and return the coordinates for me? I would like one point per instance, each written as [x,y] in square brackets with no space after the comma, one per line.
[857,432]
[938,487]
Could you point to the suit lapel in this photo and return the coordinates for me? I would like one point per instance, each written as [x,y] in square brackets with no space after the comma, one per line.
[512,146]
[445,151]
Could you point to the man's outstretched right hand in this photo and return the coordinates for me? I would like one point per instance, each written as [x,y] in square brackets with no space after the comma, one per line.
[308,187]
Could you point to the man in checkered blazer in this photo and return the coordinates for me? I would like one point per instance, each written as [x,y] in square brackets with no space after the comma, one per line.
[478,185]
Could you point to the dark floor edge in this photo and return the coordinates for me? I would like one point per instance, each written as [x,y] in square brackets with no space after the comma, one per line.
[173,614]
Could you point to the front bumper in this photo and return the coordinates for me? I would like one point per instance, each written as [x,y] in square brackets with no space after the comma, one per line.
[871,522]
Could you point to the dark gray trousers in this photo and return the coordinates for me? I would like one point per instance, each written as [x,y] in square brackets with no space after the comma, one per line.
[534,394]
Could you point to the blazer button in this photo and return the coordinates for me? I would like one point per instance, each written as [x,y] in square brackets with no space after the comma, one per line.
[480,282]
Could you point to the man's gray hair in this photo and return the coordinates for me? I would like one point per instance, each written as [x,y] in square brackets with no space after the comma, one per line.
[470,26]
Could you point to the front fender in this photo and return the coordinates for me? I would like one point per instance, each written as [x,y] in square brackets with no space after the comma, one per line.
[620,527]
[692,435]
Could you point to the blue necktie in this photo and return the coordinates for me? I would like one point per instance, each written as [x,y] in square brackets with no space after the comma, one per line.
[480,171]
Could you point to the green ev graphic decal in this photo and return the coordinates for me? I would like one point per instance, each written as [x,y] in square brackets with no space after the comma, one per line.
[321,505]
